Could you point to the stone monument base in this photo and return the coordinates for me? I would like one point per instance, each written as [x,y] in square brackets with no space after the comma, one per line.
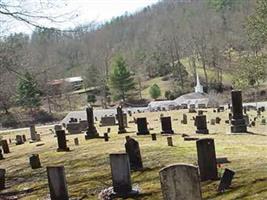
[133,193]
[143,133]
[61,150]
[238,126]
[122,131]
[167,132]
[88,137]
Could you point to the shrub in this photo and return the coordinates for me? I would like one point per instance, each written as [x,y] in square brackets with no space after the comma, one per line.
[9,121]
[42,116]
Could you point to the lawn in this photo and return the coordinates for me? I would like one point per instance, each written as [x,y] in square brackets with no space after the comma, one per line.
[88,171]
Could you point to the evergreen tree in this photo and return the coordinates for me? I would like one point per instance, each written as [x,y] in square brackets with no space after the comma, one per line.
[154,91]
[28,92]
[121,82]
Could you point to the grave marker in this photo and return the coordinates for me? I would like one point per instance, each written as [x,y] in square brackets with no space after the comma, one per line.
[57,183]
[120,120]
[2,179]
[91,131]
[142,126]
[207,159]
[226,180]
[180,182]
[5,146]
[61,140]
[35,161]
[169,141]
[133,150]
[166,125]
[201,124]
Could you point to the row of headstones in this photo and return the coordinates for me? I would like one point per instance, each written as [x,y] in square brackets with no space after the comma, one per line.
[179,181]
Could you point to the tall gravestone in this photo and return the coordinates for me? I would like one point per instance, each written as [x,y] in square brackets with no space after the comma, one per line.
[133,150]
[166,125]
[33,132]
[142,126]
[19,140]
[2,178]
[238,123]
[207,159]
[184,120]
[120,120]
[61,140]
[91,131]
[57,183]
[5,146]
[35,161]
[201,124]
[180,181]
[121,175]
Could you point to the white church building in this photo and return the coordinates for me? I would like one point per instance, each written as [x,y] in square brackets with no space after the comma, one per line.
[194,99]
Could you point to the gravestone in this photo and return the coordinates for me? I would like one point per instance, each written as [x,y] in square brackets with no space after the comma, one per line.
[108,130]
[218,120]
[5,146]
[108,121]
[106,138]
[238,123]
[120,120]
[207,159]
[38,137]
[180,182]
[212,121]
[133,150]
[154,136]
[166,125]
[83,125]
[61,140]
[73,128]
[184,120]
[57,183]
[33,132]
[35,161]
[201,105]
[19,140]
[263,121]
[201,124]
[1,155]
[24,138]
[2,179]
[76,141]
[226,180]
[121,175]
[169,141]
[91,131]
[142,126]
[200,112]
[125,122]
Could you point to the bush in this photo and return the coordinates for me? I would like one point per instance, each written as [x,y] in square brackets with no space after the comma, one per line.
[91,98]
[42,116]
[9,121]
[169,95]
[154,91]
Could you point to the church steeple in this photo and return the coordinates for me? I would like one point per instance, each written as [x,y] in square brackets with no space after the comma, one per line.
[198,87]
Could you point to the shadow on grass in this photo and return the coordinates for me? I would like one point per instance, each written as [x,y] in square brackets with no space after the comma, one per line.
[21,193]
[251,133]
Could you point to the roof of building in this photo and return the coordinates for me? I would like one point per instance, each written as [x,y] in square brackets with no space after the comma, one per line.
[74,79]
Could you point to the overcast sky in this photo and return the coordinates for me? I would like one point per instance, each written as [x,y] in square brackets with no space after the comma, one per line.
[83,11]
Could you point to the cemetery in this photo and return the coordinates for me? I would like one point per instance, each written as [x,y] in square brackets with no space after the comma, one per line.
[171,154]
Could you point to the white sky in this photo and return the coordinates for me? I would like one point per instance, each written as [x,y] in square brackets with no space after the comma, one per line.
[84,11]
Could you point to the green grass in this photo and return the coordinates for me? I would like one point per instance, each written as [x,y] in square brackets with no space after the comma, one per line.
[88,171]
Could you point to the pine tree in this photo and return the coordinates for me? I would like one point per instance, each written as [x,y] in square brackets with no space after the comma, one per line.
[121,82]
[154,91]
[28,92]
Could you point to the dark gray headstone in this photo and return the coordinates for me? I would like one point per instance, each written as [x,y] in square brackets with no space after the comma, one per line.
[91,131]
[2,178]
[19,140]
[133,150]
[57,183]
[184,120]
[61,140]
[201,124]
[154,136]
[166,125]
[142,126]
[35,161]
[238,123]
[5,146]
[226,180]
[207,159]
[120,120]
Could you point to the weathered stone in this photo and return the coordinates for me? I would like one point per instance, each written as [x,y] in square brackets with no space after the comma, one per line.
[73,128]
[108,121]
[2,179]
[5,146]
[38,137]
[212,121]
[218,120]
[121,176]
[133,150]
[142,126]
[226,180]
[238,123]
[19,140]
[33,132]
[263,121]
[120,120]
[166,125]
[106,138]
[57,183]
[35,161]
[207,159]
[201,124]
[169,141]
[91,129]
[184,120]
[180,182]
[24,138]
[61,140]
[76,141]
